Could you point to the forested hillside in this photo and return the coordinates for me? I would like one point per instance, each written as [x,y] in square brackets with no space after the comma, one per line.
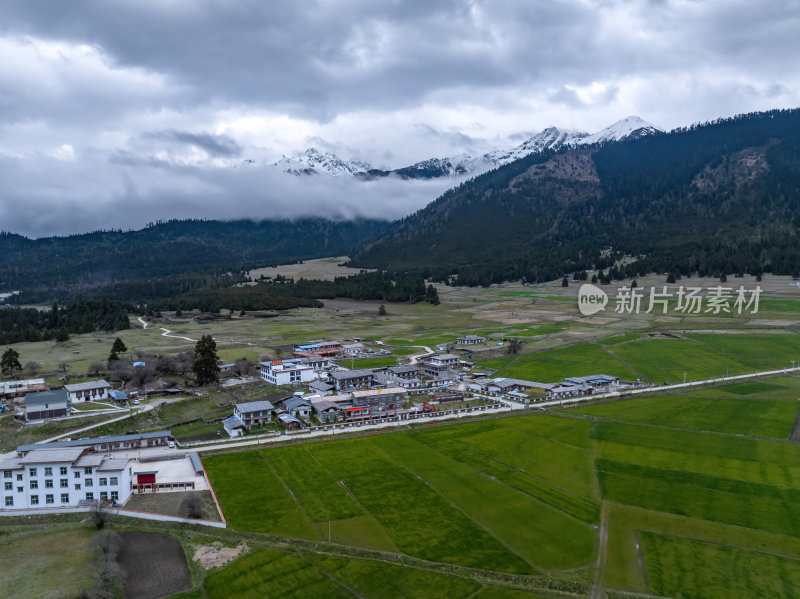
[161,255]
[708,199]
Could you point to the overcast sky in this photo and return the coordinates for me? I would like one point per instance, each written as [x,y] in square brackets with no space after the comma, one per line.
[113,114]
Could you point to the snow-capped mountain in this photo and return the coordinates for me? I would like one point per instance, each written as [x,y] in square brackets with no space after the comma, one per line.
[632,127]
[551,138]
[312,162]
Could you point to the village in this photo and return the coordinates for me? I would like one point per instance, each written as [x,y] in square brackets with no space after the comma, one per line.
[326,392]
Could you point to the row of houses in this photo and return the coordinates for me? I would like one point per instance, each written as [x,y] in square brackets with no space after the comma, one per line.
[569,387]
[352,406]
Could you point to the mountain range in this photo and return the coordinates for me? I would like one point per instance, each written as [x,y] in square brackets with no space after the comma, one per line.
[313,161]
[718,198]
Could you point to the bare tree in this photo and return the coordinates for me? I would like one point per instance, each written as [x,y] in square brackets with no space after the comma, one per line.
[184,362]
[141,375]
[166,365]
[99,514]
[191,506]
[121,371]
[95,369]
[32,367]
[265,357]
[244,367]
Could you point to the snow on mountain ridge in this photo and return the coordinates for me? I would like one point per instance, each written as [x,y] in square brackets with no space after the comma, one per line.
[312,161]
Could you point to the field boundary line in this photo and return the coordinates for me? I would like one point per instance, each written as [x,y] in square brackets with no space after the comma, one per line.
[457,507]
[602,542]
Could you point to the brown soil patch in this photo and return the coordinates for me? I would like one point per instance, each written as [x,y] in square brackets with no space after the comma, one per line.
[216,556]
[153,565]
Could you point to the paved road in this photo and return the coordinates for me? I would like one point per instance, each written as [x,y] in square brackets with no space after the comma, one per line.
[343,428]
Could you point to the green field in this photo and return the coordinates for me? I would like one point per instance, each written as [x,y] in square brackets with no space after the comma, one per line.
[34,563]
[697,492]
[269,573]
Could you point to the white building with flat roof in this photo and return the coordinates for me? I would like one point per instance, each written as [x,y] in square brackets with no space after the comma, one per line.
[62,477]
[286,372]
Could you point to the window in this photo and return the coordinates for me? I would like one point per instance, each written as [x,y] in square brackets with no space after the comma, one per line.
[49,499]
[63,470]
[65,498]
[103,495]
[34,484]
[9,502]
[77,487]
[19,489]
[77,474]
[87,471]
[7,474]
[103,482]
[64,483]
[48,471]
[34,500]
[88,482]
[33,471]
[19,477]
[114,495]
[48,483]
[90,497]
[113,482]
[9,486]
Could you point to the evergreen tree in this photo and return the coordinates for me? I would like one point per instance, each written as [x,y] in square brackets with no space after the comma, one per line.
[431,295]
[9,363]
[381,310]
[119,347]
[564,282]
[113,356]
[205,366]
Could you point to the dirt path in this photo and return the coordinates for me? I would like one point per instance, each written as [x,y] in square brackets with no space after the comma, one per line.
[416,357]
[167,332]
[144,324]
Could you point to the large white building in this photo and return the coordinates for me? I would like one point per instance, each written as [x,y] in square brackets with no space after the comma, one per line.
[89,391]
[63,477]
[286,372]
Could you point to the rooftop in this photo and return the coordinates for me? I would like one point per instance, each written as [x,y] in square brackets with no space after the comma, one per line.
[444,357]
[46,397]
[254,406]
[44,456]
[340,375]
[95,441]
[87,386]
[374,392]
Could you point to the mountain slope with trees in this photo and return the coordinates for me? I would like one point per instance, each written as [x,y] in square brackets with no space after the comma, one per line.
[185,254]
[721,197]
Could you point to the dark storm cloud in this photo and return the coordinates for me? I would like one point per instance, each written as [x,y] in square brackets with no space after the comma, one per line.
[215,145]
